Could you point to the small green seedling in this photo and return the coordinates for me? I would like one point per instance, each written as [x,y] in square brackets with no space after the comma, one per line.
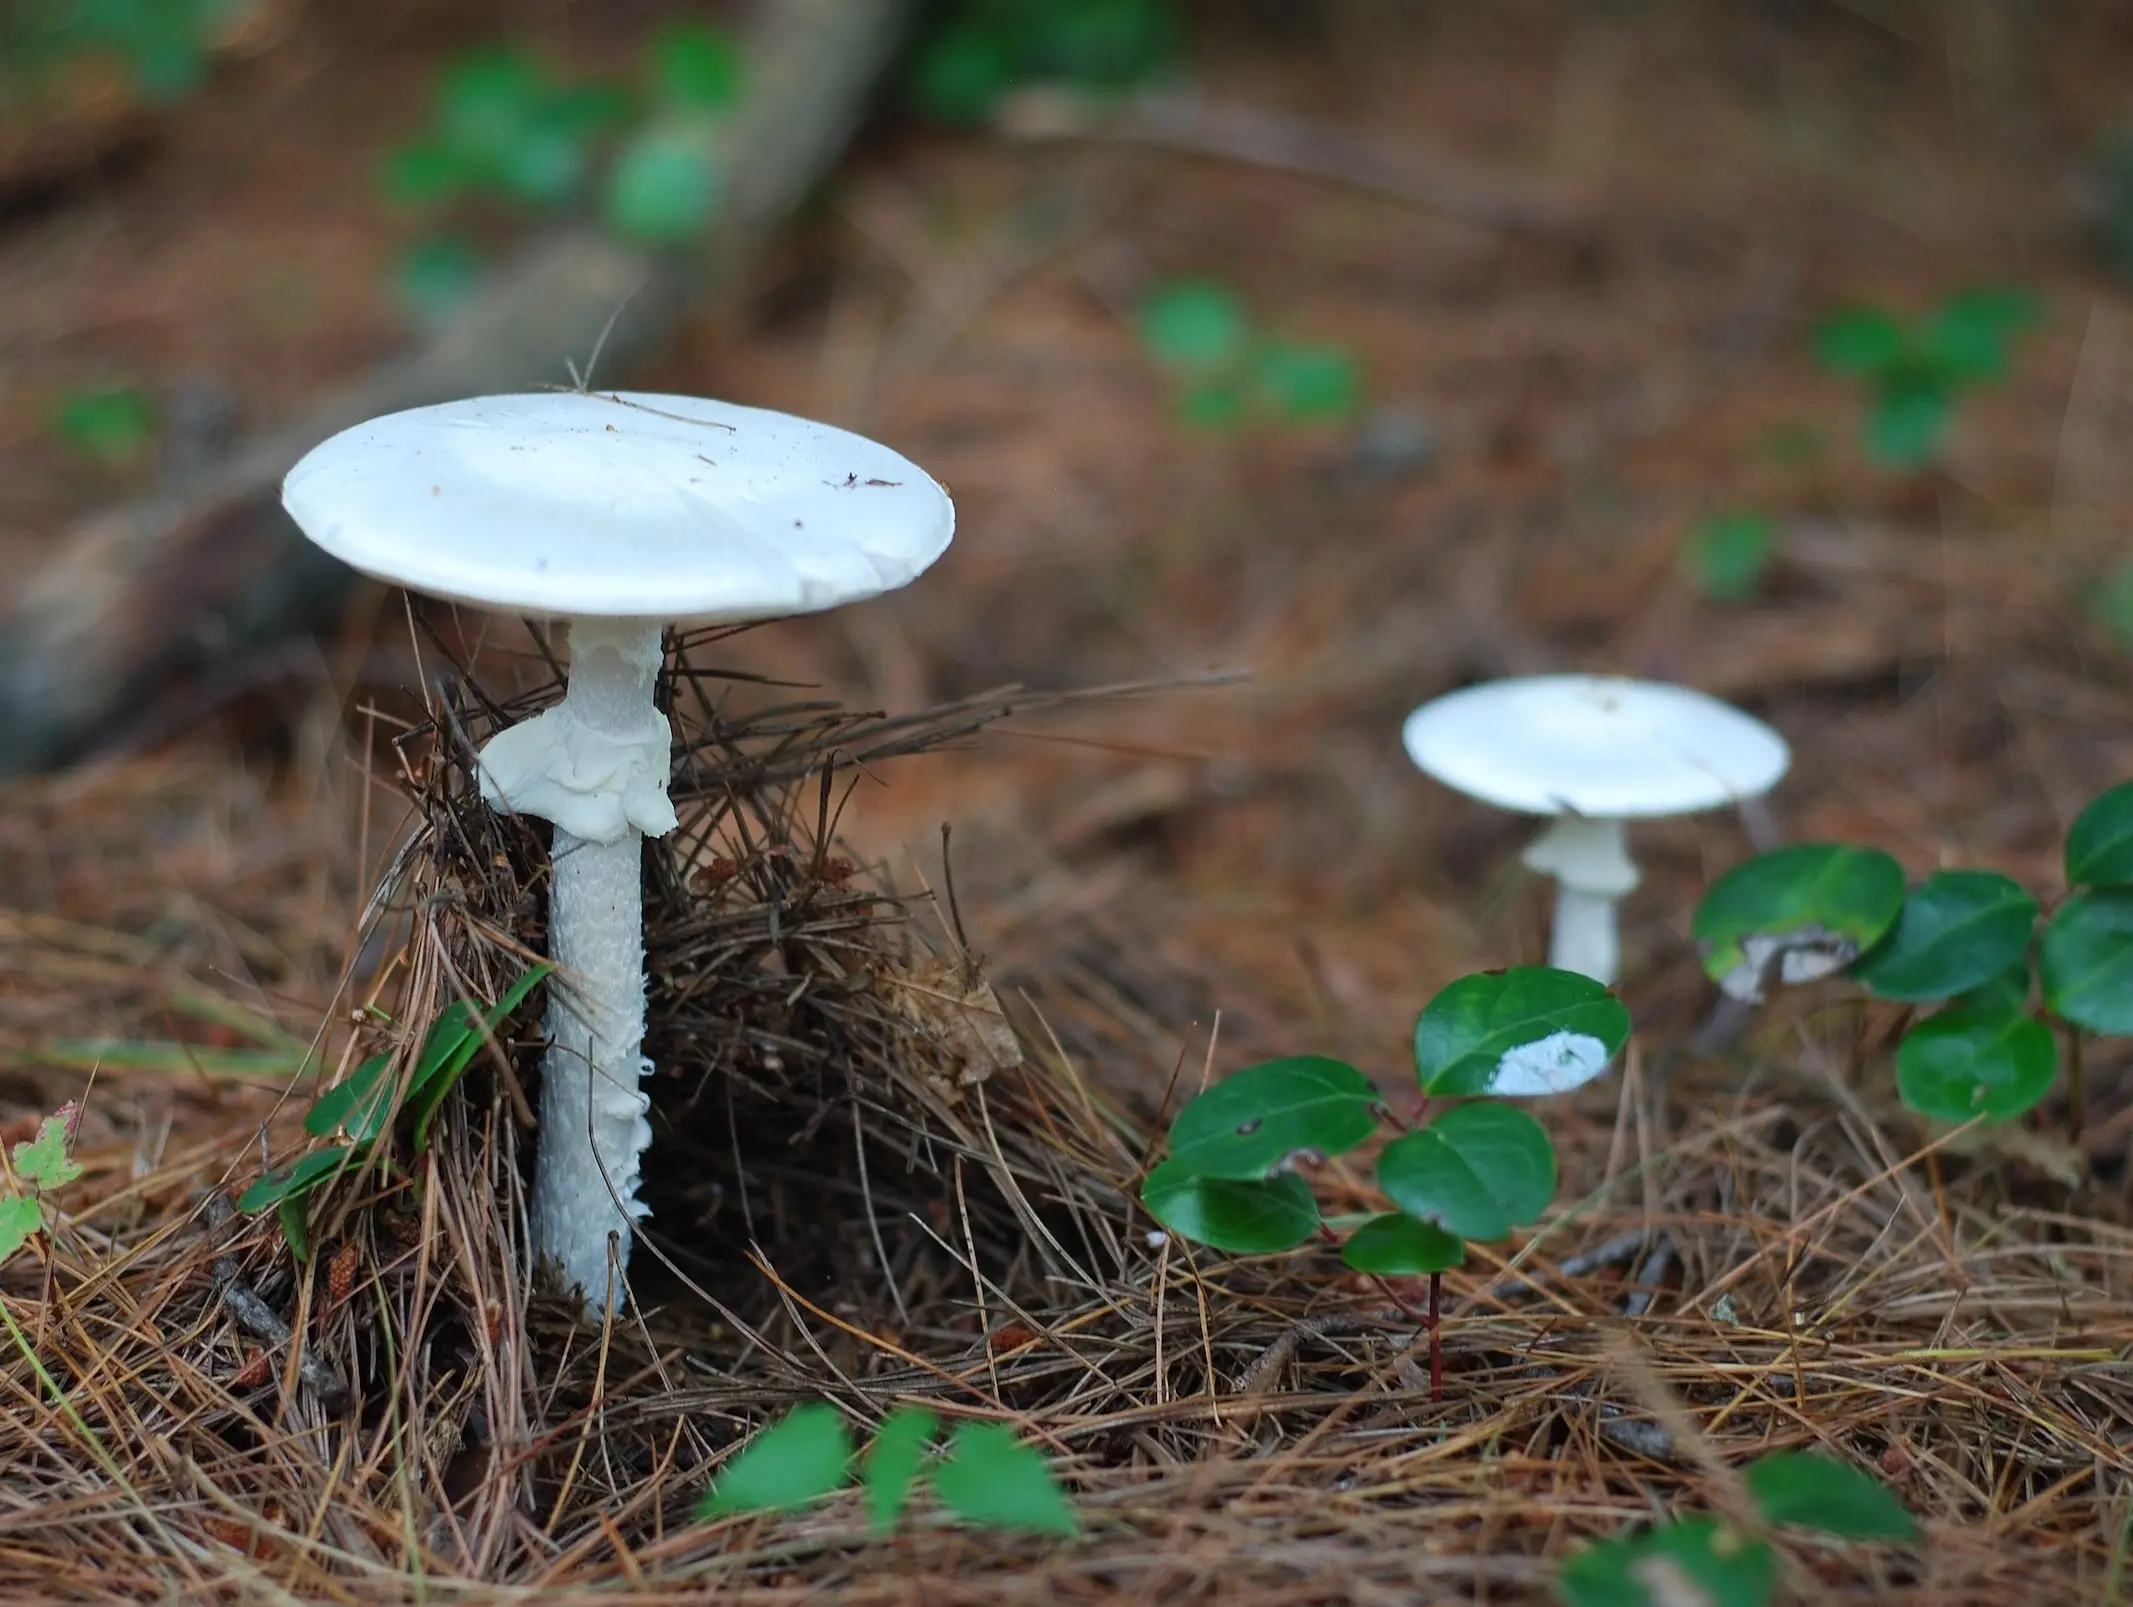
[1728,555]
[1475,1173]
[985,1477]
[985,48]
[111,425]
[1227,372]
[1707,1560]
[1966,941]
[1916,370]
[41,1165]
[363,1109]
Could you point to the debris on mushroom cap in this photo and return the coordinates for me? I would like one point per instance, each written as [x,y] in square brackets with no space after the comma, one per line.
[621,504]
[1594,745]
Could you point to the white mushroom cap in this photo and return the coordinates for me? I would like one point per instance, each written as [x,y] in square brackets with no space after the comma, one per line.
[621,505]
[1594,746]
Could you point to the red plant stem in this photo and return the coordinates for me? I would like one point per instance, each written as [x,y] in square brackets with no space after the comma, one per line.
[1434,1322]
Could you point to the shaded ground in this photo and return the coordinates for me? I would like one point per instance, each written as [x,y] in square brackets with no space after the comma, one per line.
[1260,849]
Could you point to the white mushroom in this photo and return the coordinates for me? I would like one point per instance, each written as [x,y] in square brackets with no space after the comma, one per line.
[1594,752]
[621,514]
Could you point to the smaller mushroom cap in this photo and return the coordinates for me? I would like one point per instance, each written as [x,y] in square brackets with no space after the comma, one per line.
[620,505]
[1594,746]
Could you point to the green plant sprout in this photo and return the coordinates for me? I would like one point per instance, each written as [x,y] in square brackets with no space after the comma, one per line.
[1709,1561]
[1916,370]
[363,1109]
[1226,372]
[1474,1173]
[506,132]
[111,425]
[985,48]
[41,1165]
[1728,555]
[1966,941]
[985,1477]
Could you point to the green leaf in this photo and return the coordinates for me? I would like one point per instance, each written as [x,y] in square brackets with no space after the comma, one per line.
[1812,909]
[1239,1218]
[20,1219]
[1530,1030]
[1907,422]
[665,185]
[450,1045]
[434,275]
[1194,326]
[1831,1497]
[1477,1171]
[42,1162]
[1860,340]
[544,165]
[695,66]
[804,1456]
[361,1102]
[962,70]
[893,1463]
[1957,930]
[1253,1123]
[1395,1245]
[1729,554]
[2004,995]
[294,1216]
[293,1180]
[2099,844]
[1698,1560]
[990,1479]
[424,173]
[1969,335]
[1957,1065]
[1211,405]
[2086,962]
[1307,384]
[113,425]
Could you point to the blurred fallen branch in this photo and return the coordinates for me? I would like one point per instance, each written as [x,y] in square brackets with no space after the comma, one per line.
[1252,135]
[138,595]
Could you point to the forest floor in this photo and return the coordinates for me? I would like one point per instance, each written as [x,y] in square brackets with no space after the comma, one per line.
[1241,864]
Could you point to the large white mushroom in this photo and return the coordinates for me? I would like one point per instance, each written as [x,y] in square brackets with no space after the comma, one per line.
[621,514]
[1595,752]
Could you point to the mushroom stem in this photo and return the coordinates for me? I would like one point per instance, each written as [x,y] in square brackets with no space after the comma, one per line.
[1589,858]
[596,765]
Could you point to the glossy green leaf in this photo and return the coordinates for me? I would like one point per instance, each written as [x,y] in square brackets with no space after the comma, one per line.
[893,1464]
[1957,930]
[1804,911]
[2004,995]
[1308,384]
[1699,1560]
[696,66]
[1859,340]
[991,1479]
[295,1179]
[1240,1218]
[1729,554]
[1395,1245]
[2086,962]
[2099,844]
[1828,1496]
[1955,1066]
[1194,326]
[1907,421]
[1477,1171]
[1252,1123]
[1528,1031]
[665,186]
[804,1456]
[361,1103]
[452,1042]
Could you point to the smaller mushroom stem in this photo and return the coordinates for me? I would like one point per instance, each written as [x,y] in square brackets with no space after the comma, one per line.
[1586,937]
[1589,858]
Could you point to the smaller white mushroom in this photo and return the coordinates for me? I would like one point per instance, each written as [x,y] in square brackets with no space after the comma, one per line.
[1594,752]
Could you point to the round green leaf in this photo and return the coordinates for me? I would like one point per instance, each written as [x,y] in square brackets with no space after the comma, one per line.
[1305,384]
[1194,326]
[1859,340]
[1531,1030]
[1831,1497]
[1812,908]
[1957,930]
[665,185]
[2004,995]
[1696,1560]
[1240,1218]
[1968,336]
[695,65]
[1477,1171]
[1395,1245]
[802,1457]
[1251,1124]
[2086,962]
[2099,845]
[1907,421]
[1958,1065]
